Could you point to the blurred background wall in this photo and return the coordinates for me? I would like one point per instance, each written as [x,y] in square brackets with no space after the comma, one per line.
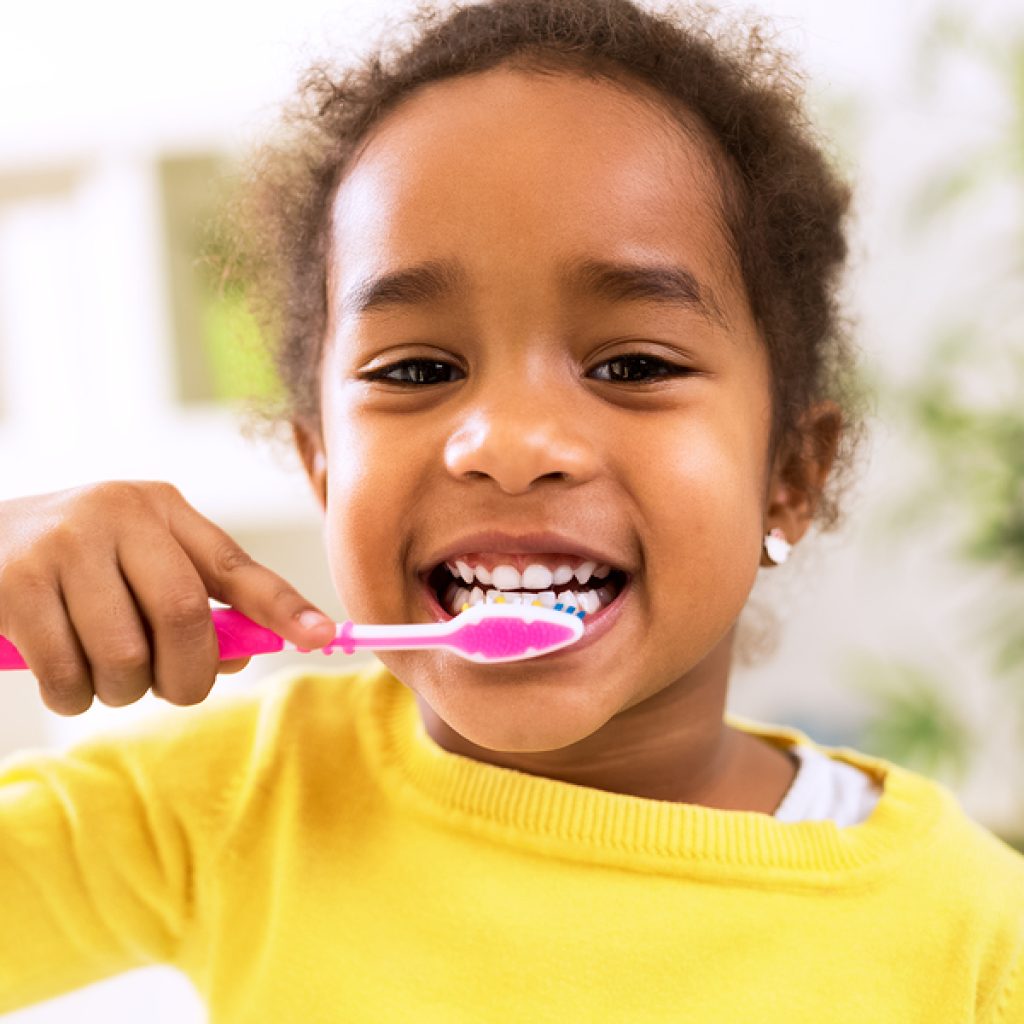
[901,635]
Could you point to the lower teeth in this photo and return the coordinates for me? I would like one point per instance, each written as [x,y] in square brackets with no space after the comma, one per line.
[590,601]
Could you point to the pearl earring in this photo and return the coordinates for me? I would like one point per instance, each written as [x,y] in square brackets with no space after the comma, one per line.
[776,546]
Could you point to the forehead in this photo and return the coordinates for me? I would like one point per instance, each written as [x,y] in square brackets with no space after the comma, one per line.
[514,170]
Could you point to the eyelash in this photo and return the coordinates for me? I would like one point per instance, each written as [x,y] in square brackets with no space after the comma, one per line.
[673,370]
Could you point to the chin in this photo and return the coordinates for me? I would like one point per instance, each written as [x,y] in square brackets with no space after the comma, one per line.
[521,708]
[531,737]
[518,718]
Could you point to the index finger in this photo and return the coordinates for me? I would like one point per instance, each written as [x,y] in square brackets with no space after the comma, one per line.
[232,576]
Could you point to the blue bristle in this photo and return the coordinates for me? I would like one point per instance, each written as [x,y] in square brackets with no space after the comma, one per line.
[569,610]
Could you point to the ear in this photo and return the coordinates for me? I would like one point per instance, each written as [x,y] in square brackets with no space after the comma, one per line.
[311,450]
[798,476]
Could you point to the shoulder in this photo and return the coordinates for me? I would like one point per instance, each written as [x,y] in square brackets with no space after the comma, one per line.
[214,771]
[285,710]
[203,758]
[938,841]
[953,886]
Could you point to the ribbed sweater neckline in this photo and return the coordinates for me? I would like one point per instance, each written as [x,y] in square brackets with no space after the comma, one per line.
[577,822]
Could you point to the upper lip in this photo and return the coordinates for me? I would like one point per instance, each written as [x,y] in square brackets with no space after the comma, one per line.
[538,543]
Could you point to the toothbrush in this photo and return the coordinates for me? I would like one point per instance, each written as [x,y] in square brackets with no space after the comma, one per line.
[484,633]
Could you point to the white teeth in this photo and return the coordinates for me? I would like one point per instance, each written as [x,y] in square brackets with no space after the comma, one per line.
[533,577]
[547,598]
[506,577]
[583,571]
[537,577]
[590,601]
[567,597]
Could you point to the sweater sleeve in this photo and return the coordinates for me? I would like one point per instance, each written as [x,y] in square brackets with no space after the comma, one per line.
[102,848]
[1009,1008]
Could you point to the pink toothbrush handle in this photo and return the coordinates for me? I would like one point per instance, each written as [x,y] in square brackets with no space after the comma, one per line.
[9,655]
[237,635]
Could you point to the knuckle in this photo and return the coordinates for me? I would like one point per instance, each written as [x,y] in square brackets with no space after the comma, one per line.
[164,490]
[125,658]
[229,557]
[66,536]
[284,594]
[105,493]
[186,613]
[64,686]
[122,494]
[63,675]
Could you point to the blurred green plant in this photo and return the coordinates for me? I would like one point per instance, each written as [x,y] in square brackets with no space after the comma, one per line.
[219,349]
[915,724]
[238,362]
[966,407]
[964,410]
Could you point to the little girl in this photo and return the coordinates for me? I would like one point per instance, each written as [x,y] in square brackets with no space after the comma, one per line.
[553,292]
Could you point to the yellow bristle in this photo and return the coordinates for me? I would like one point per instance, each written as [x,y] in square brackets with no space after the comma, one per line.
[499,600]
[536,604]
[464,607]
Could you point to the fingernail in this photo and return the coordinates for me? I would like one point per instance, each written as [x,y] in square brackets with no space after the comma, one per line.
[311,620]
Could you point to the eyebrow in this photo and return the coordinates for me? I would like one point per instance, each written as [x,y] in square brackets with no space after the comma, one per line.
[433,280]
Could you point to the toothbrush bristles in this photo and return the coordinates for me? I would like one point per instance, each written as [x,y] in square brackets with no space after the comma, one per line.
[568,609]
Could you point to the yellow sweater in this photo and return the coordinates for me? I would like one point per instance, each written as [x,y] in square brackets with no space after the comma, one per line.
[306,853]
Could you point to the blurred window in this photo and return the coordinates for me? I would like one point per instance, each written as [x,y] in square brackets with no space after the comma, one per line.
[217,349]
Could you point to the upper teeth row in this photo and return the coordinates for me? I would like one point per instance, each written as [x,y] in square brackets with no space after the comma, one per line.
[533,577]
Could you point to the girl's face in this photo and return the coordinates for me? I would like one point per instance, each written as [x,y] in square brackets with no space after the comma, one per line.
[531,410]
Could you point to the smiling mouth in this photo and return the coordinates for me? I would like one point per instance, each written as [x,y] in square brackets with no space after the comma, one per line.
[452,592]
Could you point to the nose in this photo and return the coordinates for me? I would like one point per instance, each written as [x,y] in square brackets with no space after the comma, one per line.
[518,437]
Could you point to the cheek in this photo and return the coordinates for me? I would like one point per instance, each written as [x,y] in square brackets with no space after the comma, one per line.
[367,499]
[703,496]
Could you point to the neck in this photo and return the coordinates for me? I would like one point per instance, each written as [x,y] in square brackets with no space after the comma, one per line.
[673,745]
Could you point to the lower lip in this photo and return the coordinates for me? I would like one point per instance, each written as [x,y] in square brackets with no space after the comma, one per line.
[595,625]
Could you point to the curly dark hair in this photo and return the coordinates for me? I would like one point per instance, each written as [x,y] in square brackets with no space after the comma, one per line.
[784,204]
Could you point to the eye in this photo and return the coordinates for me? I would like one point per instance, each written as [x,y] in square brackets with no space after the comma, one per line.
[635,367]
[632,368]
[421,372]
